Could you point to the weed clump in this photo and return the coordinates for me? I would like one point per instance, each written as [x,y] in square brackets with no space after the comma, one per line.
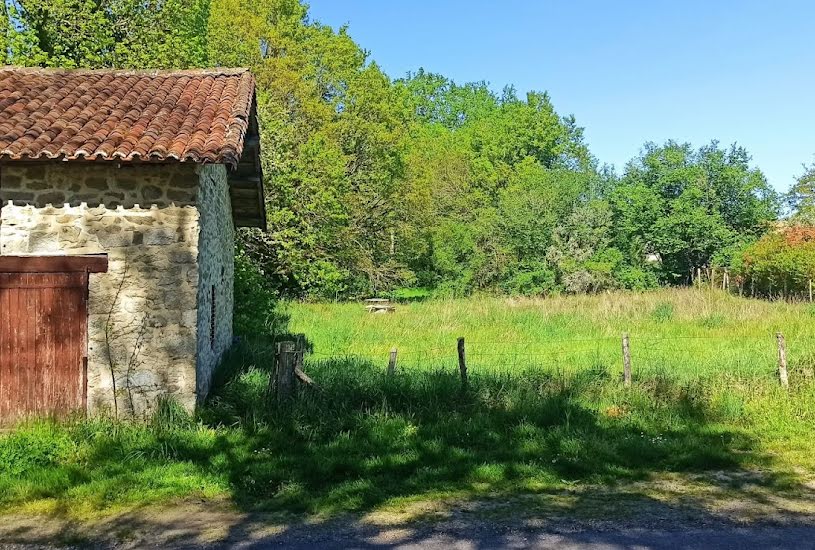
[663,312]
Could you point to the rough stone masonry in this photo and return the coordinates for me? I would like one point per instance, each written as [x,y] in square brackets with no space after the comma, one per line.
[153,327]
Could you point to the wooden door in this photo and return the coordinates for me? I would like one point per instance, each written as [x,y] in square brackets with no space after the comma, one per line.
[43,337]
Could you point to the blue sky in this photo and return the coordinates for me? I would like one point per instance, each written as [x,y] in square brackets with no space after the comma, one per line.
[629,71]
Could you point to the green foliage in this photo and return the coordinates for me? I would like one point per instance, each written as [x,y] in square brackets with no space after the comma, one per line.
[375,184]
[105,33]
[170,416]
[801,198]
[40,447]
[664,311]
[636,278]
[255,312]
[531,279]
[410,294]
[687,206]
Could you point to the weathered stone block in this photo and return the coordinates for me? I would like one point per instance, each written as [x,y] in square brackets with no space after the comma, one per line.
[183,196]
[189,318]
[16,196]
[152,193]
[113,239]
[56,198]
[160,235]
[97,182]
[40,241]
[182,256]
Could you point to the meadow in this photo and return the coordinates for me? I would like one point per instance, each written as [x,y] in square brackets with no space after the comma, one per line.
[545,412]
[685,333]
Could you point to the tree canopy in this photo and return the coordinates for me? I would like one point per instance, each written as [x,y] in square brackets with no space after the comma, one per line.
[374,183]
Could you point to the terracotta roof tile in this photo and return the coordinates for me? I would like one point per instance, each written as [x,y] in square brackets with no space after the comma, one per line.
[197,116]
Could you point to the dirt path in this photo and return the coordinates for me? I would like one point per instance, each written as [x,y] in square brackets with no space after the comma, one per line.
[714,511]
[483,535]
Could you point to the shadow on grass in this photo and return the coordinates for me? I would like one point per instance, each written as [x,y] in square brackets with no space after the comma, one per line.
[362,441]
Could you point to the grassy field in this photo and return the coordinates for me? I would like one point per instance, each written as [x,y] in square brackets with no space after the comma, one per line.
[545,412]
[684,332]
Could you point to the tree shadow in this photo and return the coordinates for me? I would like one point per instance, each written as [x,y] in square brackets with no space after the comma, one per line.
[362,439]
[530,449]
[530,453]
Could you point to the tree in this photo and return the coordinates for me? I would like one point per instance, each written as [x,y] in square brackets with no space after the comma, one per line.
[781,263]
[105,33]
[582,251]
[333,128]
[685,206]
[801,198]
[374,184]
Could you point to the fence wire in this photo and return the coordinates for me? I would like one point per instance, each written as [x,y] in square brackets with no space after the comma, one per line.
[681,356]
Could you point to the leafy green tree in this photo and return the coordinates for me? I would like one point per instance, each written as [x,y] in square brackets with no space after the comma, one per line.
[685,206]
[801,198]
[582,249]
[374,184]
[334,127]
[781,263]
[105,33]
[490,176]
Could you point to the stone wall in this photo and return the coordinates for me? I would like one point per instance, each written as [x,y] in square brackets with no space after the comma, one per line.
[143,317]
[216,266]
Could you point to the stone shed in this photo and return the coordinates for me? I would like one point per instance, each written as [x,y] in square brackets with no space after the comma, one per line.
[120,192]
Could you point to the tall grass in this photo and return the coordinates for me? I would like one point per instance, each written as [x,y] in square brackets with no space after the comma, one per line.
[362,440]
[685,332]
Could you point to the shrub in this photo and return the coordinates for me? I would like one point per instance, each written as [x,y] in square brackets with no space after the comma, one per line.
[255,300]
[664,311]
[780,263]
[410,294]
[636,278]
[535,278]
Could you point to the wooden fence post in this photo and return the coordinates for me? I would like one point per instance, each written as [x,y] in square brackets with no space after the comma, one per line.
[462,361]
[299,352]
[782,361]
[392,362]
[286,362]
[626,360]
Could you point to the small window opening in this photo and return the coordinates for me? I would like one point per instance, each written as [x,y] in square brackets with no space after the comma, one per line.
[212,319]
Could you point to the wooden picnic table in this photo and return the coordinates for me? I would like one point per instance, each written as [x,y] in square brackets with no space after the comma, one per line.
[379,305]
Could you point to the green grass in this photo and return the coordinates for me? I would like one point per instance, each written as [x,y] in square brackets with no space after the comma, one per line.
[683,332]
[363,442]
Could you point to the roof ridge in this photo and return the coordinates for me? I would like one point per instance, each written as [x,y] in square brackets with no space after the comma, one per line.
[214,71]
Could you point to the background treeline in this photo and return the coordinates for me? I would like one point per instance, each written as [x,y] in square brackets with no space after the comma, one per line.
[376,184]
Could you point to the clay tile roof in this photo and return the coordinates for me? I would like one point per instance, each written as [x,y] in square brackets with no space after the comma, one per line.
[197,116]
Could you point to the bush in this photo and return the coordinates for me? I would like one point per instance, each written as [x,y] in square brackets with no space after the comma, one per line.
[405,295]
[255,301]
[664,311]
[532,279]
[780,263]
[636,278]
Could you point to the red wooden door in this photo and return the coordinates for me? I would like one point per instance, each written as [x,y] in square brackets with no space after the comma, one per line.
[43,336]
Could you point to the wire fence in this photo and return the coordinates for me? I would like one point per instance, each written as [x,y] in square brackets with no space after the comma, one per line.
[680,356]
